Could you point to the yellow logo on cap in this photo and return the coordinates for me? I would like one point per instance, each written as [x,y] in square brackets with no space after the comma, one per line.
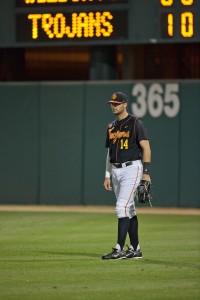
[114,96]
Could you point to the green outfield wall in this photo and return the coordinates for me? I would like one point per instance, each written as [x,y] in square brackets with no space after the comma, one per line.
[53,135]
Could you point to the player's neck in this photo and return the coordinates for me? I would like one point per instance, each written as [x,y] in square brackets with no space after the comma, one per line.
[122,116]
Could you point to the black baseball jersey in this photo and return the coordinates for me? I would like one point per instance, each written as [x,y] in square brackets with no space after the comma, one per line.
[123,139]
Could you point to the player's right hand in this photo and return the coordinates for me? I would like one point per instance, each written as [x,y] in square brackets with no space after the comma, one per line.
[107,184]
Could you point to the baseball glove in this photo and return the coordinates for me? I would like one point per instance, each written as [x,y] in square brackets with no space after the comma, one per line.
[143,192]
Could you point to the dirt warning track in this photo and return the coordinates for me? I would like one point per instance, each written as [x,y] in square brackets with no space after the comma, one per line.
[98,209]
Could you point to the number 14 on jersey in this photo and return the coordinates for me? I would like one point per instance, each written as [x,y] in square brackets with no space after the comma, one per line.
[124,144]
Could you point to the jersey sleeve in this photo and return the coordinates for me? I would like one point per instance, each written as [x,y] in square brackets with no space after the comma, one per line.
[141,131]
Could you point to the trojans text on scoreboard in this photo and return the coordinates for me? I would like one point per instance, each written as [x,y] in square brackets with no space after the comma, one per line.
[82,25]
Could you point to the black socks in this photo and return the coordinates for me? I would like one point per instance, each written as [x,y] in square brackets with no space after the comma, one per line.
[123,227]
[133,232]
[130,226]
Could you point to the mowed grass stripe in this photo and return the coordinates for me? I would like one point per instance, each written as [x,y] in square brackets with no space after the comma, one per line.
[55,255]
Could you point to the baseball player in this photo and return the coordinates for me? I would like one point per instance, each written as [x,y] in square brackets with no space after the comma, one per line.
[127,163]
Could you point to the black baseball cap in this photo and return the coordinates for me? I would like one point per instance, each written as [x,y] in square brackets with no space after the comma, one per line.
[118,98]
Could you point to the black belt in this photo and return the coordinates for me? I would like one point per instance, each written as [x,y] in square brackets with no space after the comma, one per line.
[126,164]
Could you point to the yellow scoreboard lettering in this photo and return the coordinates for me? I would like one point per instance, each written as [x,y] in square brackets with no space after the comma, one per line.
[71,32]
[94,21]
[187,24]
[45,1]
[187,2]
[109,28]
[59,26]
[167,2]
[57,1]
[83,24]
[171,25]
[171,2]
[34,18]
[75,22]
[47,23]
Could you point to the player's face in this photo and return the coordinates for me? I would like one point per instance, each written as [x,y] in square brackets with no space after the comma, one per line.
[118,109]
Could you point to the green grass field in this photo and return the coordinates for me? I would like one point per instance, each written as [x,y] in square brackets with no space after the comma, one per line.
[58,256]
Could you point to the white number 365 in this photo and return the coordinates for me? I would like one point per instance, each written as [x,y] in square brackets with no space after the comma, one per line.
[156,99]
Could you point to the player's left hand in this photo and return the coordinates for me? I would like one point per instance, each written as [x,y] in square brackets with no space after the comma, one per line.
[146,177]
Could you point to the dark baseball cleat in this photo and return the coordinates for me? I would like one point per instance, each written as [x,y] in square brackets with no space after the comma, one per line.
[137,254]
[115,254]
[130,253]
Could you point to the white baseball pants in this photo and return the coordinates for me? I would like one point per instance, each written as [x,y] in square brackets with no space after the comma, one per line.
[125,181]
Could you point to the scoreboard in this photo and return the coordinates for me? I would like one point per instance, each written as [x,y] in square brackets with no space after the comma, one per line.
[93,22]
[71,20]
[180,19]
